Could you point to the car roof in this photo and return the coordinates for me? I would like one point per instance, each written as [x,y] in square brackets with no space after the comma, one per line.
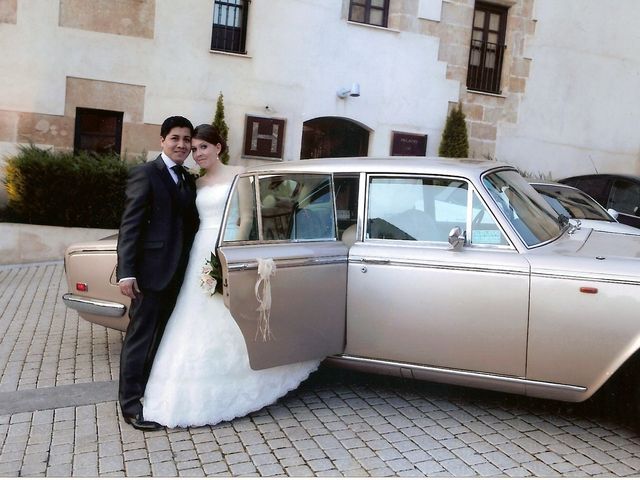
[426,165]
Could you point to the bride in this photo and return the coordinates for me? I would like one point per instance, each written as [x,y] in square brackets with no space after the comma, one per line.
[201,373]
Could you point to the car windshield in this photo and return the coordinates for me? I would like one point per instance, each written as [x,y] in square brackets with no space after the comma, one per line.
[572,202]
[534,220]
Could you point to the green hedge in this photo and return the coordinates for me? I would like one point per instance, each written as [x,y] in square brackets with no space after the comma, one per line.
[65,189]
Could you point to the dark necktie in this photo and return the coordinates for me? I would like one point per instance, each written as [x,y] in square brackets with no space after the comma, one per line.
[182,184]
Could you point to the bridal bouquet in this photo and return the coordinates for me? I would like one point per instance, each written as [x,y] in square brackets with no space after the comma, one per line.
[211,276]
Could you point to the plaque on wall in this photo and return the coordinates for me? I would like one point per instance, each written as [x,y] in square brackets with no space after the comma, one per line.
[408,144]
[264,137]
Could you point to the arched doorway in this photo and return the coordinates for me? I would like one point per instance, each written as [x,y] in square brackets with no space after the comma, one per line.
[333,137]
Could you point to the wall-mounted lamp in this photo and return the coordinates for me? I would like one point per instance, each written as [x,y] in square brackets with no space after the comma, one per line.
[354,91]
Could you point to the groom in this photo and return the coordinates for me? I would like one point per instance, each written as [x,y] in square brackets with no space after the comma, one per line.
[157,229]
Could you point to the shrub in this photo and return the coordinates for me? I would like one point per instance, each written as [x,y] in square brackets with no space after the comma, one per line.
[65,189]
[221,126]
[454,143]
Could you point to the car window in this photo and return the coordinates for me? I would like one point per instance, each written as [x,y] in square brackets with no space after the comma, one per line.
[625,197]
[426,209]
[534,220]
[241,223]
[297,207]
[594,186]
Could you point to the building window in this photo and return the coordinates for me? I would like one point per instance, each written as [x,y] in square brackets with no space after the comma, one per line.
[98,131]
[373,12]
[229,25]
[487,48]
[333,137]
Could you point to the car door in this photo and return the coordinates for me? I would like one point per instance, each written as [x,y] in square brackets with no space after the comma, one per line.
[414,300]
[287,221]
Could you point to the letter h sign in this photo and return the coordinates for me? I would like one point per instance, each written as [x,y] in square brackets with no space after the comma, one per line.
[263,137]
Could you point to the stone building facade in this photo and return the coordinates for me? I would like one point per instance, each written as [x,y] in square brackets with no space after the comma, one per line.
[284,71]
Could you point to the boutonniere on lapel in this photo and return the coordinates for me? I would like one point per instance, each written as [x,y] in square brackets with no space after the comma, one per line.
[195,172]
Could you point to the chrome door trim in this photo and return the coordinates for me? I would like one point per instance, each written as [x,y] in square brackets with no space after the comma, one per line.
[291,262]
[438,266]
[464,373]
[564,276]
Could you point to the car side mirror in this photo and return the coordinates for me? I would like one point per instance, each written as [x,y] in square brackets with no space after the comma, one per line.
[613,212]
[457,238]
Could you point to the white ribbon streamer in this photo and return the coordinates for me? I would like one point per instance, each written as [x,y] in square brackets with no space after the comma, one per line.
[266,269]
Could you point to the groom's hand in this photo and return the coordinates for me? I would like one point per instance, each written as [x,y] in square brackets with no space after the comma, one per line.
[129,287]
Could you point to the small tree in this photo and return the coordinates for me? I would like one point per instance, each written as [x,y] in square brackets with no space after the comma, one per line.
[454,141]
[221,126]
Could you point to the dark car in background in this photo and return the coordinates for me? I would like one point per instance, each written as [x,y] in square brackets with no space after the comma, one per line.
[577,205]
[616,191]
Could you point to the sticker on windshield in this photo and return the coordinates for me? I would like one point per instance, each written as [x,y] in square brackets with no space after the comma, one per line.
[493,237]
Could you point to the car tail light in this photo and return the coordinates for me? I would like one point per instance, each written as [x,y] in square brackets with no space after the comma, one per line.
[82,287]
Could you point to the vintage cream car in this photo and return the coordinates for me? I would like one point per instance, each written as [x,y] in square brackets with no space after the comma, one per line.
[454,271]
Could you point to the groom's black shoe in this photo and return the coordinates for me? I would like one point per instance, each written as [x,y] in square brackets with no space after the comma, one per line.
[142,424]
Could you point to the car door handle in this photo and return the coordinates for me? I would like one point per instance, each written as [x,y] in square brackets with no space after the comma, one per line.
[378,261]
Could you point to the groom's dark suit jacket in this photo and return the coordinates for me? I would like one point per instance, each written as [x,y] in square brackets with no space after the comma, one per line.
[156,232]
[157,228]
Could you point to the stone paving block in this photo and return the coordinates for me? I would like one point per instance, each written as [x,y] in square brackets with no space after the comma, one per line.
[320,465]
[312,454]
[540,469]
[299,471]
[191,472]
[135,454]
[111,464]
[234,458]
[264,459]
[578,459]
[230,448]
[594,469]
[304,444]
[351,443]
[597,455]
[187,465]
[429,467]
[185,455]
[620,469]
[164,469]
[288,452]
[270,470]
[215,468]
[258,448]
[60,470]
[162,456]
[369,463]
[292,461]
[137,468]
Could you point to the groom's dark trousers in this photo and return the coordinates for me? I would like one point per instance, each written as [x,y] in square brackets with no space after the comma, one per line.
[157,230]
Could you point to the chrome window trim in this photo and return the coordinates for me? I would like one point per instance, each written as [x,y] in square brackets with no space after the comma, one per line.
[471,188]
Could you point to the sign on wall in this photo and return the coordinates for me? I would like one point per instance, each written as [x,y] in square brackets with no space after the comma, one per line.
[264,137]
[408,144]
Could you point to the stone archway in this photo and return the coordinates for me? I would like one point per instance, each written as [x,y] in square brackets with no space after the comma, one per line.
[333,137]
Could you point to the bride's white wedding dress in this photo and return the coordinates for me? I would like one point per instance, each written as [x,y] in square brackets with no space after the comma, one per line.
[201,373]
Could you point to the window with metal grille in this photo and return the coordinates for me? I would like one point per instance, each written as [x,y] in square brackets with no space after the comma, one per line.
[229,25]
[487,48]
[373,12]
[97,131]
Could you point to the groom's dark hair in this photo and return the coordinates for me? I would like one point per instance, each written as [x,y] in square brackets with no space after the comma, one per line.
[173,122]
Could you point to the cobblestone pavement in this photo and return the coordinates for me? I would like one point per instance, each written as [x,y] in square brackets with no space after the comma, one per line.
[336,424]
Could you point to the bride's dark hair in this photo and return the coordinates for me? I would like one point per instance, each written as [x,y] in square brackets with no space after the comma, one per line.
[210,135]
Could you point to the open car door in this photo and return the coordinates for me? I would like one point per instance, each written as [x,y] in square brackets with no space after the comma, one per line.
[287,222]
